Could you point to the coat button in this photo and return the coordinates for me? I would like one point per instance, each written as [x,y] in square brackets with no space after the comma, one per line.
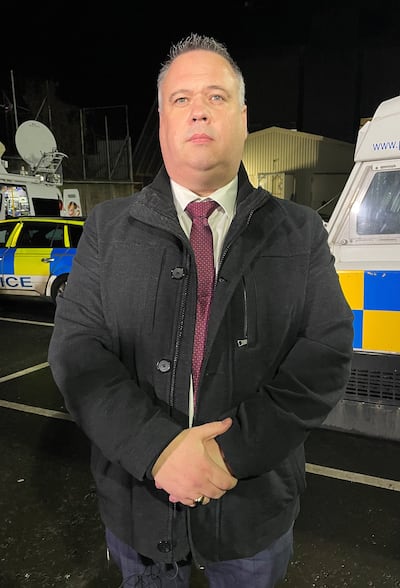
[177,273]
[164,546]
[163,365]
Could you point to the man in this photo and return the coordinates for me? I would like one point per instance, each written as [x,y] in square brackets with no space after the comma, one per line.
[201,467]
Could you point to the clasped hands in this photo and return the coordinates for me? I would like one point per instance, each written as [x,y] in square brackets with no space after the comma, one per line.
[192,466]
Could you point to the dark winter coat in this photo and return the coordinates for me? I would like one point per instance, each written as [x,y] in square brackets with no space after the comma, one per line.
[277,361]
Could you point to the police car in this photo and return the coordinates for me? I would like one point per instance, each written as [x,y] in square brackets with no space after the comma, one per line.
[36,254]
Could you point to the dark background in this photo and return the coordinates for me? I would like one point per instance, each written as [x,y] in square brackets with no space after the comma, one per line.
[316,67]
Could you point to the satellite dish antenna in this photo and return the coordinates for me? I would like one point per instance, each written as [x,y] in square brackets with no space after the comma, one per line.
[36,144]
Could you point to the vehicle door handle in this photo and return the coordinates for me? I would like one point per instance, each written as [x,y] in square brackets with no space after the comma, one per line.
[47,259]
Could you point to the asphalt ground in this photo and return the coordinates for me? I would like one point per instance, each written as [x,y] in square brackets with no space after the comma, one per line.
[347,533]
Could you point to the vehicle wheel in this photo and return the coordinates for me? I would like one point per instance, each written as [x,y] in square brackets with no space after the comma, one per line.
[58,287]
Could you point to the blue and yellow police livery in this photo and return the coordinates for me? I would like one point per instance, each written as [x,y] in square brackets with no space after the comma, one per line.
[374,297]
[36,254]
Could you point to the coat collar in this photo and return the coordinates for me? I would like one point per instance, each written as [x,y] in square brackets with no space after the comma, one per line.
[155,202]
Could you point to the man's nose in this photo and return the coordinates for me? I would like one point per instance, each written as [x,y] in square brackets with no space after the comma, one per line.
[199,117]
[199,110]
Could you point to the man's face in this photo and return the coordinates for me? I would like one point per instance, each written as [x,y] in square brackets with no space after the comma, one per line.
[203,126]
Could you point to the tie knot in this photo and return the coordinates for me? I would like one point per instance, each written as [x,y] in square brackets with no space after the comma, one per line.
[201,208]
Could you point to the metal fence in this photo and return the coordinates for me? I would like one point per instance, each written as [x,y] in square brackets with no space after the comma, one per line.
[106,151]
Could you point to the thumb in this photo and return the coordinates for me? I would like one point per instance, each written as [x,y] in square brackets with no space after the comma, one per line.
[215,428]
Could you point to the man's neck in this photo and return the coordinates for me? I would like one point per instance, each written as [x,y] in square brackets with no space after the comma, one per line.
[203,184]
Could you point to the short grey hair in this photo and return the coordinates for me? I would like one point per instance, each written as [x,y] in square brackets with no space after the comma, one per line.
[201,42]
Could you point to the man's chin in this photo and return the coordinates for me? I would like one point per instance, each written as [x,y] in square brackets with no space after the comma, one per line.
[204,164]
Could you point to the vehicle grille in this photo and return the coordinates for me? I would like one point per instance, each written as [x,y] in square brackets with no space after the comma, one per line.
[375,379]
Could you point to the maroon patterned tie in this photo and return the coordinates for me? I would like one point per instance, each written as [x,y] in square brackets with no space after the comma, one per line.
[202,243]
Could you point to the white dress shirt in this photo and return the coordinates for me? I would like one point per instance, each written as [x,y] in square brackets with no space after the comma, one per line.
[219,220]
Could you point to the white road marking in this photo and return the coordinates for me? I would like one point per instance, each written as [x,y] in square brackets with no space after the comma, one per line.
[26,322]
[53,414]
[353,477]
[29,370]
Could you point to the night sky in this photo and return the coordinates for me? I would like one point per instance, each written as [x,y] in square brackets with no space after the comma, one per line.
[309,66]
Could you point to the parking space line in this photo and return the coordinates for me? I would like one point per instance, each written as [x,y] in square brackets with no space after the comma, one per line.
[353,477]
[26,322]
[29,370]
[54,414]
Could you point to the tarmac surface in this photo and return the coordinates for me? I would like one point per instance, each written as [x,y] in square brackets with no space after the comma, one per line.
[347,533]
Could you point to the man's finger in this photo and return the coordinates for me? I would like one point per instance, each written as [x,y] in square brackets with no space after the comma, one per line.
[213,429]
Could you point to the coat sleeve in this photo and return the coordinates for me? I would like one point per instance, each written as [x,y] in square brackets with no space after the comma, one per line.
[309,381]
[99,392]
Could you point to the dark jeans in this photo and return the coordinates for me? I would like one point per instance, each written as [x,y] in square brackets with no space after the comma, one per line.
[263,570]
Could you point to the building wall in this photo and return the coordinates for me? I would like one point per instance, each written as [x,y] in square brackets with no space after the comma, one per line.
[300,156]
[91,193]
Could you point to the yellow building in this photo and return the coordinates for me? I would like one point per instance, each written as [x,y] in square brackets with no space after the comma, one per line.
[310,169]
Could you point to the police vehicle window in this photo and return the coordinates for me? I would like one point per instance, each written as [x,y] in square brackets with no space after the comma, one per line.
[5,232]
[380,209]
[75,232]
[56,236]
[38,235]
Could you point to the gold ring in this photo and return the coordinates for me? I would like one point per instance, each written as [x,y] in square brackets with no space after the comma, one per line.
[199,500]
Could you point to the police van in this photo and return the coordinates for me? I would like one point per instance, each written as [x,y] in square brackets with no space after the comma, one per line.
[364,236]
[36,254]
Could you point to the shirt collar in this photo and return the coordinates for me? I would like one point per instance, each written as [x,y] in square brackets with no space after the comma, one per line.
[225,196]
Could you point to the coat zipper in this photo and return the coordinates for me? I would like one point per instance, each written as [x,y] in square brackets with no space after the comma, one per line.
[171,395]
[243,342]
[178,340]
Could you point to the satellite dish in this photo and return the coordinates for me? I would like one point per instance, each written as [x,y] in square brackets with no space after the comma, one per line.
[35,143]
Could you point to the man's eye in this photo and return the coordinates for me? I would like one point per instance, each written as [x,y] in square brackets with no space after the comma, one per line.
[181,100]
[217,97]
